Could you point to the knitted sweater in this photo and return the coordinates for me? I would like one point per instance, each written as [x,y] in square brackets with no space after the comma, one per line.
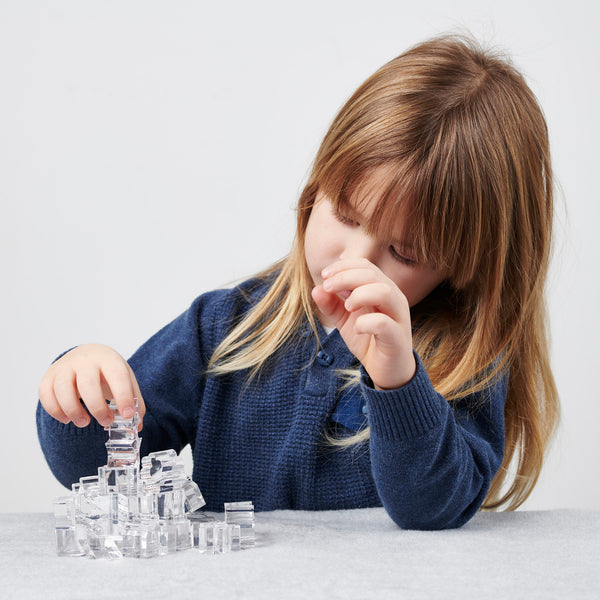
[429,464]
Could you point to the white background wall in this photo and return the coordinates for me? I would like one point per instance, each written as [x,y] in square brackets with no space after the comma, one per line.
[150,151]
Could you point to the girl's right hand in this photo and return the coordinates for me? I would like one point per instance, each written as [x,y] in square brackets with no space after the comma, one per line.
[90,374]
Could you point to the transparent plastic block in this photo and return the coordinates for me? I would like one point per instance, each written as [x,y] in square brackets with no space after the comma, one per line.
[158,465]
[197,521]
[113,545]
[203,535]
[64,511]
[142,510]
[68,542]
[88,485]
[222,537]
[118,457]
[184,534]
[236,543]
[95,542]
[141,542]
[167,541]
[113,513]
[242,514]
[120,421]
[123,444]
[124,480]
[174,536]
[163,471]
[193,496]
[90,505]
[171,505]
[216,537]
[100,543]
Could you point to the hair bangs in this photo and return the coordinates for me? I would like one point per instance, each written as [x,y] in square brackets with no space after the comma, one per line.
[427,198]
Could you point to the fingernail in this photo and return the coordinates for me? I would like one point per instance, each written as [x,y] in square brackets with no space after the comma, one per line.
[327,285]
[81,422]
[128,412]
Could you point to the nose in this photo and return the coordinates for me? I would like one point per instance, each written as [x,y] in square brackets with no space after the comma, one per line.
[360,245]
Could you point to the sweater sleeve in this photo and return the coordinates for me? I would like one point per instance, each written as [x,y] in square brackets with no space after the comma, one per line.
[169,369]
[433,463]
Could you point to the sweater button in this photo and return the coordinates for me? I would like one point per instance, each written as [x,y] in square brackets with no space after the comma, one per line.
[324,359]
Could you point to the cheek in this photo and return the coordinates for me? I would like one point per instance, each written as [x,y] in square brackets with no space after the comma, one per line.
[318,240]
[313,250]
[416,287]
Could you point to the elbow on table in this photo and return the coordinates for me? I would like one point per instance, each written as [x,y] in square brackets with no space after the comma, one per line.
[423,520]
[434,511]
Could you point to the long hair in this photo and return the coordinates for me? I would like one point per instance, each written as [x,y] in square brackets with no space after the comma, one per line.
[465,149]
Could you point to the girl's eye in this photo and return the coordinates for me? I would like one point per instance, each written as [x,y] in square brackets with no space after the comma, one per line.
[409,262]
[346,220]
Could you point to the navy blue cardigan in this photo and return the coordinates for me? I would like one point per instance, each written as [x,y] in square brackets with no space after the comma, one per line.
[429,464]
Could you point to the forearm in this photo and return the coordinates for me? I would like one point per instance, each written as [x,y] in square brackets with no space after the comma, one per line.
[71,452]
[432,467]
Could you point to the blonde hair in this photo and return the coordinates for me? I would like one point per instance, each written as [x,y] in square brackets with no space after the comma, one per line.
[465,148]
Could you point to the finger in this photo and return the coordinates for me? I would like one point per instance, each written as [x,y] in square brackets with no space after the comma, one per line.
[90,391]
[329,305]
[381,297]
[346,264]
[141,403]
[67,396]
[383,328]
[141,407]
[49,401]
[349,279]
[116,377]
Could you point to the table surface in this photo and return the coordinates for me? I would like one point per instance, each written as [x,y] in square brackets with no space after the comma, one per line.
[337,554]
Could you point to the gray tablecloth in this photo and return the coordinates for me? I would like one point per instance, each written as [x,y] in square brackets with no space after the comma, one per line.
[340,554]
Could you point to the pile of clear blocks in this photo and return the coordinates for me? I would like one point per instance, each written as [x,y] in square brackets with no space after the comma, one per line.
[147,512]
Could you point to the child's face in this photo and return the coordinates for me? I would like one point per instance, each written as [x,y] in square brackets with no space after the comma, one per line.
[331,237]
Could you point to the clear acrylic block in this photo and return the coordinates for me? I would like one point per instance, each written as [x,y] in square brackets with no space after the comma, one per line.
[124,480]
[145,510]
[193,496]
[68,541]
[171,505]
[64,511]
[242,514]
[215,537]
[174,536]
[203,536]
[222,537]
[141,542]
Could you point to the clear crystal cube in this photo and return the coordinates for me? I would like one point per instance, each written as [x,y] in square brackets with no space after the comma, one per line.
[145,510]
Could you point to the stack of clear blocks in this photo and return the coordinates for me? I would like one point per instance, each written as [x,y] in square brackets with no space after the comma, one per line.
[142,513]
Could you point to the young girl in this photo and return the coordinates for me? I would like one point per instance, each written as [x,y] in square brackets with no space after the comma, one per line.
[398,355]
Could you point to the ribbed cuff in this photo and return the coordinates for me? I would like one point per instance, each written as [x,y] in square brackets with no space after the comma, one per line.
[406,412]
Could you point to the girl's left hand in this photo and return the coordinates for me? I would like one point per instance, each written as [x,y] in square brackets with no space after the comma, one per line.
[373,317]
